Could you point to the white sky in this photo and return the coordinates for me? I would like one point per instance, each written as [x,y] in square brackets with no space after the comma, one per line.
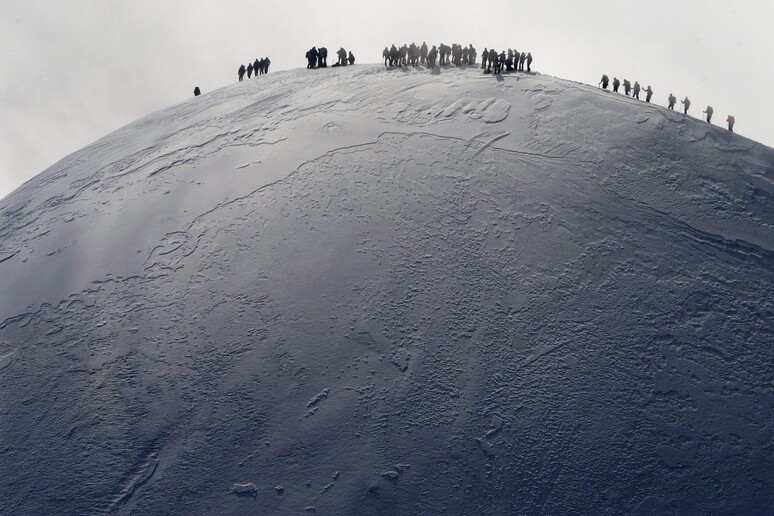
[74,70]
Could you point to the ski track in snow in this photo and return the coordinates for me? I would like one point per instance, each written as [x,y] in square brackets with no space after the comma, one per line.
[391,291]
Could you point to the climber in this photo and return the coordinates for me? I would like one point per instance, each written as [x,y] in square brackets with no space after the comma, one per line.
[709,112]
[627,86]
[616,84]
[604,82]
[529,61]
[648,93]
[197,91]
[636,92]
[351,58]
[672,101]
[687,104]
[731,121]
[241,72]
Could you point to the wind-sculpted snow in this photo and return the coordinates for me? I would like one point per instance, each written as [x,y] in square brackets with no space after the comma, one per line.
[375,291]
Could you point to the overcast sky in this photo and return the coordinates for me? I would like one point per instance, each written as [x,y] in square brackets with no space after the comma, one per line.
[74,70]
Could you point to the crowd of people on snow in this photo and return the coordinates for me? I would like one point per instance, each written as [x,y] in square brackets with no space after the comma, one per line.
[635,89]
[318,58]
[444,55]
[457,55]
[509,62]
[259,67]
[413,55]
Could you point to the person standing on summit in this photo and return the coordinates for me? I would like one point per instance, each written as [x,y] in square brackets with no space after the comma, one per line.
[605,80]
[636,92]
[616,84]
[529,61]
[241,72]
[672,100]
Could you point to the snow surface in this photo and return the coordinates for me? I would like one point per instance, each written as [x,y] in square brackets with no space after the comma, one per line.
[362,291]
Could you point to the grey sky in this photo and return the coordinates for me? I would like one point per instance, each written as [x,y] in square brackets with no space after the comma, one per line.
[75,70]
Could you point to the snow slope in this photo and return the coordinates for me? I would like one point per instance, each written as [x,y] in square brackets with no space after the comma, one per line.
[366,291]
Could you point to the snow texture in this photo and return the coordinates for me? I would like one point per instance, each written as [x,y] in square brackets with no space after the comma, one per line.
[374,291]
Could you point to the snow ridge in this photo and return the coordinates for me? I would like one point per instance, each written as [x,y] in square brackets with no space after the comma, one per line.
[369,290]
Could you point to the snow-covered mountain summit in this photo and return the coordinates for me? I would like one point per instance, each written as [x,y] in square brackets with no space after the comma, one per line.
[362,290]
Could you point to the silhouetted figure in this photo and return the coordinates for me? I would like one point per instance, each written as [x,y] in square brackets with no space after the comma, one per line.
[457,55]
[241,72]
[709,112]
[465,56]
[616,84]
[472,55]
[257,65]
[672,101]
[413,54]
[731,121]
[267,62]
[492,59]
[648,93]
[250,70]
[423,54]
[197,91]
[627,87]
[386,55]
[500,62]
[636,90]
[322,57]
[403,55]
[484,57]
[342,56]
[432,56]
[393,55]
[522,59]
[529,61]
[605,80]
[686,104]
[509,61]
[351,58]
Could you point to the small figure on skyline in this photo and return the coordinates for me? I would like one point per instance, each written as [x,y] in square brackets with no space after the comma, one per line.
[529,61]
[627,87]
[731,121]
[605,80]
[484,57]
[522,59]
[249,70]
[686,103]
[351,58]
[197,91]
[648,93]
[241,72]
[616,84]
[636,90]
[257,66]
[432,56]
[342,56]
[423,54]
[709,112]
[672,101]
